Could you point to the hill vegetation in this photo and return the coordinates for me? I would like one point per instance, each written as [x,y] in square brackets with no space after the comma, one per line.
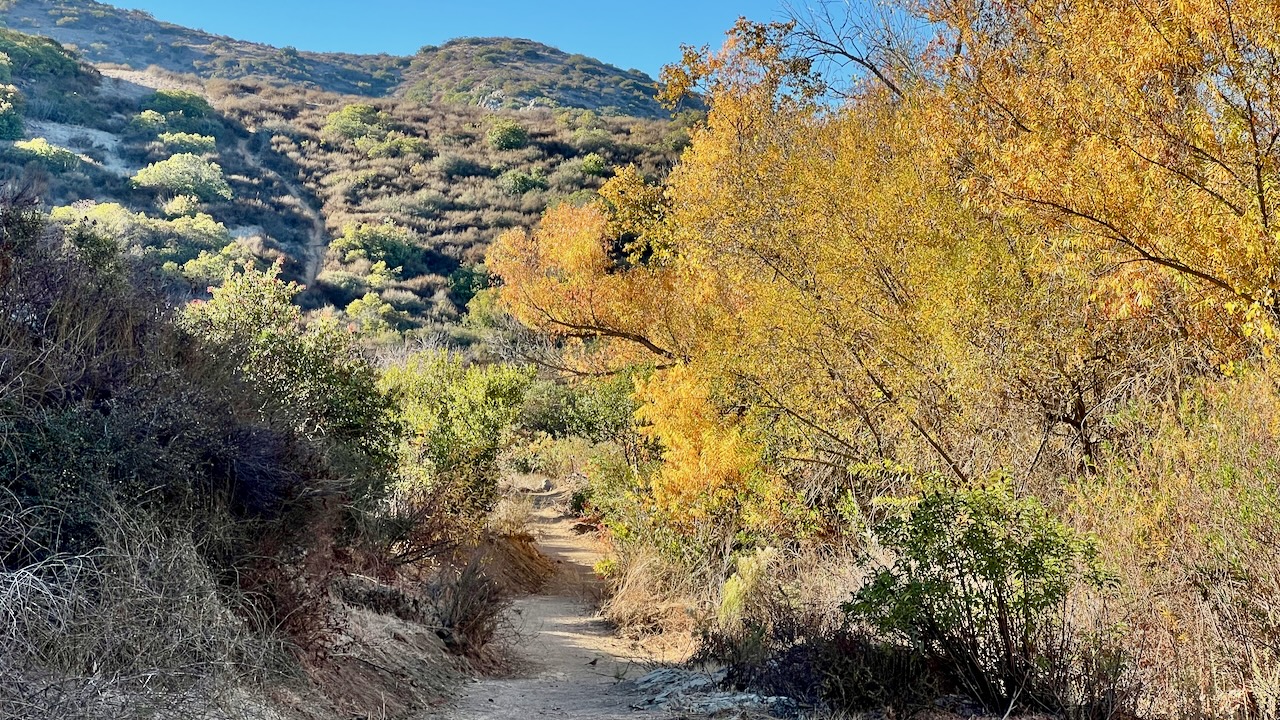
[195,179]
[437,182]
[512,73]
[106,34]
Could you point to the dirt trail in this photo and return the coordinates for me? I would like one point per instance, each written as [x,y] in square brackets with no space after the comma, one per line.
[571,665]
[317,235]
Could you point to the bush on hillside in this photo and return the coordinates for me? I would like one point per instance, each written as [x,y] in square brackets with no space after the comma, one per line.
[183,111]
[453,165]
[178,102]
[181,206]
[518,182]
[594,164]
[53,157]
[181,142]
[156,240]
[386,243]
[359,120]
[10,113]
[32,55]
[185,174]
[506,134]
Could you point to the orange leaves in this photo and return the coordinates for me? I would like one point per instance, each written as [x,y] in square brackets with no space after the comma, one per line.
[565,278]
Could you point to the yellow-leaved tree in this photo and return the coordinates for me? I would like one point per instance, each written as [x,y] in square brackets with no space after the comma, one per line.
[1032,256]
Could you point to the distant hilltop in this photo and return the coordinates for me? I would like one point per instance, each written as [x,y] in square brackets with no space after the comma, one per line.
[491,72]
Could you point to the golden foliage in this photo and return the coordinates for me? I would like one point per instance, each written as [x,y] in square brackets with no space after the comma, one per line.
[1018,263]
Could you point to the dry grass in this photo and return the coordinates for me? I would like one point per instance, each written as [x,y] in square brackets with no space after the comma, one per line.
[1189,516]
[650,596]
[511,516]
[133,629]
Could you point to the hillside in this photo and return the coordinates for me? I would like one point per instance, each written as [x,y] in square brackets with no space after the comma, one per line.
[106,34]
[383,208]
[511,73]
[426,188]
[493,72]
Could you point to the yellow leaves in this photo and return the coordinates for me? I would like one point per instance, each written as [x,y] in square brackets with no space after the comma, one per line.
[751,61]
[1137,131]
[636,210]
[704,454]
[900,276]
[712,469]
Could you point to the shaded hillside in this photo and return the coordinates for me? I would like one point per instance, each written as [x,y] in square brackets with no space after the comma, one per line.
[512,73]
[490,72]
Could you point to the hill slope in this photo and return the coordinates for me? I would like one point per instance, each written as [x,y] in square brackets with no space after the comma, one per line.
[511,73]
[494,72]
[409,193]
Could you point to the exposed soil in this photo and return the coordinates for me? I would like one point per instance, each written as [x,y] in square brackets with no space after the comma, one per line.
[317,236]
[80,139]
[569,661]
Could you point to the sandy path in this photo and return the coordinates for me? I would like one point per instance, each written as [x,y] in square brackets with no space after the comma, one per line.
[571,664]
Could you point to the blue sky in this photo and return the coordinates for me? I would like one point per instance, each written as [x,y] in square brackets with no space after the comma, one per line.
[646,34]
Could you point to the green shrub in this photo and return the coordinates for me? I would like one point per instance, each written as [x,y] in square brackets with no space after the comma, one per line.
[148,121]
[459,419]
[313,375]
[386,243]
[179,102]
[394,145]
[34,55]
[466,281]
[51,156]
[359,120]
[979,584]
[518,182]
[507,134]
[181,206]
[211,268]
[598,409]
[373,315]
[181,142]
[10,113]
[594,164]
[185,174]
[593,140]
[160,241]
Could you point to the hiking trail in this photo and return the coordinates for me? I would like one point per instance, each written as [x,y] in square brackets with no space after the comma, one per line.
[569,663]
